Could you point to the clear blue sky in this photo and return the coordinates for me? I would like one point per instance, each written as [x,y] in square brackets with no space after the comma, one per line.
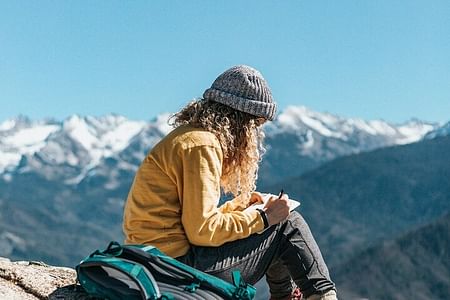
[369,59]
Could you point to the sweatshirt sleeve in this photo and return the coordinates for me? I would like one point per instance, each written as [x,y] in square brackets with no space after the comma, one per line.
[204,223]
[233,205]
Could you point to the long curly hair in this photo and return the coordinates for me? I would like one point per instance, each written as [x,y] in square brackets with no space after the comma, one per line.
[240,137]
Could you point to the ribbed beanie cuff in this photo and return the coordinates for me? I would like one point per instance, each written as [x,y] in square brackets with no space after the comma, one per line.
[243,88]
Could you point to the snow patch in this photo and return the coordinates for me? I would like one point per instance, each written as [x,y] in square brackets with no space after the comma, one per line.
[79,131]
[99,139]
[443,130]
[382,128]
[309,140]
[319,127]
[76,180]
[120,137]
[7,177]
[413,132]
[30,136]
[112,184]
[362,125]
[8,159]
[7,125]
[294,116]
[162,124]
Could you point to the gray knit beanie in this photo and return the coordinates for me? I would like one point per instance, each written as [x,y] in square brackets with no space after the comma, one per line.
[243,88]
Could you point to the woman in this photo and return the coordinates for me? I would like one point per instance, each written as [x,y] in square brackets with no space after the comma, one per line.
[216,145]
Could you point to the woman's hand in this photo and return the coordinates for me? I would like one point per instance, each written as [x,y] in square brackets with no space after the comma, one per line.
[277,210]
[255,198]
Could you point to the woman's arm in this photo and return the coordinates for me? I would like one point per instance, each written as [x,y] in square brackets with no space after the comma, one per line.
[239,203]
[203,222]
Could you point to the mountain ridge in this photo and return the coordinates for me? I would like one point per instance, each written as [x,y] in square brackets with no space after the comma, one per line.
[352,202]
[80,145]
[374,195]
[45,188]
[395,268]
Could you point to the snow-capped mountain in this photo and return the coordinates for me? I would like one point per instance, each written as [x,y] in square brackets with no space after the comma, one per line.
[313,138]
[77,143]
[356,135]
[300,118]
[81,147]
[62,178]
[440,131]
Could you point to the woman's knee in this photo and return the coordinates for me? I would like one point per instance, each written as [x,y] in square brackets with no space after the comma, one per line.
[296,219]
[294,215]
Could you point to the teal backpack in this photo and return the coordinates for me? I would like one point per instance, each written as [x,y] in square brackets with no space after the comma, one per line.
[144,272]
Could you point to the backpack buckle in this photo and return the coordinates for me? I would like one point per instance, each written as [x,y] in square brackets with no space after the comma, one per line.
[192,287]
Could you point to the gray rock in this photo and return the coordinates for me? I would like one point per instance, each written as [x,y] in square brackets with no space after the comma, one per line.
[36,280]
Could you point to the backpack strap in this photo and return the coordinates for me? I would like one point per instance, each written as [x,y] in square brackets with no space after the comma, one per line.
[243,290]
[113,249]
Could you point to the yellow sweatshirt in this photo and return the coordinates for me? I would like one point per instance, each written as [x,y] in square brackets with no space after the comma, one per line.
[173,200]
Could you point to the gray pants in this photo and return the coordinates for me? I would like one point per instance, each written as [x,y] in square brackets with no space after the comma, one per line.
[286,253]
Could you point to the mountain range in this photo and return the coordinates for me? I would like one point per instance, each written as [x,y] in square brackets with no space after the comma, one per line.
[367,212]
[355,201]
[361,183]
[77,148]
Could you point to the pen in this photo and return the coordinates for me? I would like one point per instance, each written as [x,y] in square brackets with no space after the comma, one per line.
[281,194]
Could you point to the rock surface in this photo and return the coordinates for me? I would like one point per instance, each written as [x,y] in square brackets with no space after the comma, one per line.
[29,280]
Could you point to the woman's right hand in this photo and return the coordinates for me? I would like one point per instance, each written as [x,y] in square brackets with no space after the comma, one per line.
[277,210]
